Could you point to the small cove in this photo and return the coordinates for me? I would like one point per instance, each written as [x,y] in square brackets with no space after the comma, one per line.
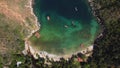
[67,26]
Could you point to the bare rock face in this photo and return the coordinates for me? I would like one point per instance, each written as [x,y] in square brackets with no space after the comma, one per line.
[17,22]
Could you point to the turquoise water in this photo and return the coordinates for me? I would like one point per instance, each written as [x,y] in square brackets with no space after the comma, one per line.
[65,25]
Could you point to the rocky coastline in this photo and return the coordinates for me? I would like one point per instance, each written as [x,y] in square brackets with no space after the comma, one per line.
[28,48]
[95,11]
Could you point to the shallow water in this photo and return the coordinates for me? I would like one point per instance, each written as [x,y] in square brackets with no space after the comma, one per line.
[67,26]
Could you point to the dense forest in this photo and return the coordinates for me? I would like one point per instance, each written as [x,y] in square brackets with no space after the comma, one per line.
[106,51]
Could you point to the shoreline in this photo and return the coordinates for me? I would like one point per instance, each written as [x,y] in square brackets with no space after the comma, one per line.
[34,52]
[28,49]
[36,20]
[96,14]
[98,18]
